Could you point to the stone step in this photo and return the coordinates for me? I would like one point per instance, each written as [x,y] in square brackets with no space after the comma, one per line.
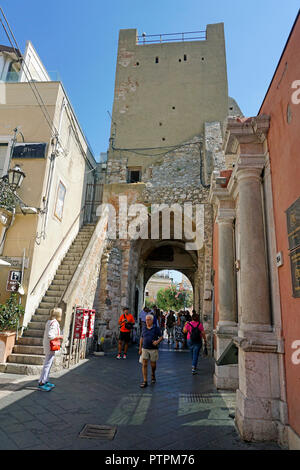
[72,258]
[42,311]
[37,325]
[69,264]
[63,272]
[34,333]
[50,299]
[30,359]
[48,305]
[54,293]
[22,369]
[58,284]
[39,318]
[28,349]
[62,277]
[30,341]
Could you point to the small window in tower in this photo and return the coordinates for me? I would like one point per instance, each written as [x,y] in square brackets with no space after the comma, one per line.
[163,138]
[202,58]
[156,60]
[134,175]
[179,60]
[173,107]
[185,57]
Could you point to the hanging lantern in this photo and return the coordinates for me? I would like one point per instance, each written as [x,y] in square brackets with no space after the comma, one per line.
[15,177]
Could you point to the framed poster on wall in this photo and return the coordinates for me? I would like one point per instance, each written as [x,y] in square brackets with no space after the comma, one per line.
[60,199]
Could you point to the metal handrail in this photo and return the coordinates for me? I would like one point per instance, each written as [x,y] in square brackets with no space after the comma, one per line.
[162,37]
[57,249]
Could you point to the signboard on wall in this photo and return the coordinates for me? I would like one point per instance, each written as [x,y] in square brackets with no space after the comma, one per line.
[29,150]
[293,228]
[293,224]
[13,281]
[295,268]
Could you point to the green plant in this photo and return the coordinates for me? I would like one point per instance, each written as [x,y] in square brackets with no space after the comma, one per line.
[174,298]
[10,313]
[8,199]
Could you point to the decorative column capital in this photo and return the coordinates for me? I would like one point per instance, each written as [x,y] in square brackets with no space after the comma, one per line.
[246,133]
[225,216]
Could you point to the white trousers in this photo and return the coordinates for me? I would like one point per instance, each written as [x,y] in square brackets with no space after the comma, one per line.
[46,367]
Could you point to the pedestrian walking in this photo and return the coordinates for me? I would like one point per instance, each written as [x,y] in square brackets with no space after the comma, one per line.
[178,332]
[142,317]
[51,344]
[170,323]
[195,333]
[162,323]
[148,350]
[126,323]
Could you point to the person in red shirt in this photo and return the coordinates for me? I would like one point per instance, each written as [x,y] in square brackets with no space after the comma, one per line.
[126,322]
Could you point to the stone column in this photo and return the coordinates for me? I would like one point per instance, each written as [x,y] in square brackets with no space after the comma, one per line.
[258,394]
[254,300]
[226,376]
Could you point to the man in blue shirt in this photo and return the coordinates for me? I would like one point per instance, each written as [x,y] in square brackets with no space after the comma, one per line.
[150,338]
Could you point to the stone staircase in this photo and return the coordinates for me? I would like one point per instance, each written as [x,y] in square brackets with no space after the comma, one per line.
[28,354]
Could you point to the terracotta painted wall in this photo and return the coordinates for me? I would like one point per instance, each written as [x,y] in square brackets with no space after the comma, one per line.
[284,149]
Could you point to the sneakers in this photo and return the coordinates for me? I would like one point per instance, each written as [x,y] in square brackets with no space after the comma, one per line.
[194,370]
[124,356]
[50,384]
[44,388]
[119,356]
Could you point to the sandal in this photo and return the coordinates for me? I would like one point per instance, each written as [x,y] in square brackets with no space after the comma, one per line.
[143,384]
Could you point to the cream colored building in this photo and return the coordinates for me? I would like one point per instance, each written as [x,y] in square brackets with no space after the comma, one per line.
[35,110]
[157,282]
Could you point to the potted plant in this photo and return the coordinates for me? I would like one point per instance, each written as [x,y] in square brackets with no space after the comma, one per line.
[10,313]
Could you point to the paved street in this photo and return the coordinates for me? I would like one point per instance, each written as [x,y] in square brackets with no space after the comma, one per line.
[179,412]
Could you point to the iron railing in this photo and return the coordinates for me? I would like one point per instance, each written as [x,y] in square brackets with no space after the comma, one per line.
[171,37]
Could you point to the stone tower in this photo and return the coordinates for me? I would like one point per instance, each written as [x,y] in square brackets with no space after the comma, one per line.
[170,107]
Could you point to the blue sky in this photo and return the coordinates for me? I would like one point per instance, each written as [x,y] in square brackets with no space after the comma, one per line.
[79,40]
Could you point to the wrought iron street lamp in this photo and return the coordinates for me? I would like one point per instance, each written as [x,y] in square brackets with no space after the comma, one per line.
[15,177]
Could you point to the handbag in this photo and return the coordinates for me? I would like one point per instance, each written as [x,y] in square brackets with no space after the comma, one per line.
[126,323]
[55,344]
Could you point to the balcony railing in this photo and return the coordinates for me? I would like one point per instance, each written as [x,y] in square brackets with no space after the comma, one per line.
[171,37]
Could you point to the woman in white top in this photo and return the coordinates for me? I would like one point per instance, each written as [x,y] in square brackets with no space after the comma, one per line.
[52,331]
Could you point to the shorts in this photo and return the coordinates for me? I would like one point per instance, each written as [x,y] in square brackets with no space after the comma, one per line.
[124,336]
[151,354]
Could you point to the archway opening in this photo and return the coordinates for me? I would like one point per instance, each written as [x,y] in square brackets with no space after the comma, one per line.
[169,290]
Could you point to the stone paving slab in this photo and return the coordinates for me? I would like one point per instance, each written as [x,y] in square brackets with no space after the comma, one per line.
[105,391]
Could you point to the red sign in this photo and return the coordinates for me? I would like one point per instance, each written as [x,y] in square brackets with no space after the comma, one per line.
[91,323]
[81,323]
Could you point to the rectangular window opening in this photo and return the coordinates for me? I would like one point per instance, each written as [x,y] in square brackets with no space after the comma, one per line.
[134,175]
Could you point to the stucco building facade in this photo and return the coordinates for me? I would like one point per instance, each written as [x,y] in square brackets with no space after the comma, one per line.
[256,241]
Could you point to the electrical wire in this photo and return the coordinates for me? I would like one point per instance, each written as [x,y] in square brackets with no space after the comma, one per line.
[30,81]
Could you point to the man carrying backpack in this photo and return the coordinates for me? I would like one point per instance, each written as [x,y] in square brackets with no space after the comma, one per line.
[126,323]
[195,333]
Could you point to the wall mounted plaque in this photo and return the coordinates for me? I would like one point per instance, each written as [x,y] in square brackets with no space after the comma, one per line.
[29,150]
[293,224]
[295,268]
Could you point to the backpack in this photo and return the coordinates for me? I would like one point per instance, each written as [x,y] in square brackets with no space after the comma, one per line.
[170,320]
[195,334]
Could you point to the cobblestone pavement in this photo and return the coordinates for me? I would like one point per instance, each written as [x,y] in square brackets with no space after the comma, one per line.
[179,412]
